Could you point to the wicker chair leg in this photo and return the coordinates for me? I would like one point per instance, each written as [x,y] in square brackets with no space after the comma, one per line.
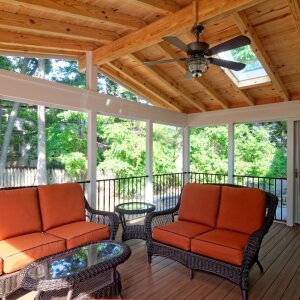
[260,266]
[245,294]
[191,274]
[149,259]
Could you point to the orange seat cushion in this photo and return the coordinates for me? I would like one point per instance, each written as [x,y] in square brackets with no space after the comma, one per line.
[80,233]
[221,244]
[17,252]
[179,233]
[61,204]
[19,213]
[200,203]
[242,209]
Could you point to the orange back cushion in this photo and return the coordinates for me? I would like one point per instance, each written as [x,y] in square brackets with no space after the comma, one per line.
[200,203]
[242,209]
[19,212]
[61,204]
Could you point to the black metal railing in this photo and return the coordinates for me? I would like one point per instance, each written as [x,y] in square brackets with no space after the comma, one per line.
[167,188]
[275,185]
[111,192]
[208,178]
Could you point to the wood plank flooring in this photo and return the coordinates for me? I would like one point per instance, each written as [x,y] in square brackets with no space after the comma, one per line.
[166,279]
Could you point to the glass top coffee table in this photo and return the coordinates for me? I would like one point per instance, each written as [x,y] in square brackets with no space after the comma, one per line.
[78,273]
[133,208]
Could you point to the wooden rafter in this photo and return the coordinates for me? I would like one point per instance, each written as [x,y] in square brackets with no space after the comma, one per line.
[144,84]
[246,28]
[165,6]
[82,11]
[201,82]
[24,39]
[29,24]
[167,80]
[295,10]
[131,86]
[178,22]
[241,94]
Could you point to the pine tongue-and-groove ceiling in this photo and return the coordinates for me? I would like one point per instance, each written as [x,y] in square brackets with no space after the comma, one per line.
[124,34]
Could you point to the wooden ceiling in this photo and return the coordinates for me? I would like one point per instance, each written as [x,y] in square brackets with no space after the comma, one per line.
[124,33]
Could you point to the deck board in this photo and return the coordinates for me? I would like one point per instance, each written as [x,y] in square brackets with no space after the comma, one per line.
[167,279]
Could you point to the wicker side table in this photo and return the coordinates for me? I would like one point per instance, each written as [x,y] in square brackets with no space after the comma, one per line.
[78,273]
[133,208]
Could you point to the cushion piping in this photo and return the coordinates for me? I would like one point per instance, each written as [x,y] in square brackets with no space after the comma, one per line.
[60,239]
[219,244]
[77,235]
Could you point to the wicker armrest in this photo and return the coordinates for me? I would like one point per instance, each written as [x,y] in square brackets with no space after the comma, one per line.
[103,217]
[158,218]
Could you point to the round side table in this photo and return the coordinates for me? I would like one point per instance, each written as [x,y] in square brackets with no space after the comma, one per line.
[133,208]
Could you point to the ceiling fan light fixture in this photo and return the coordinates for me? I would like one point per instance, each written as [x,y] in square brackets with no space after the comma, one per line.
[197,66]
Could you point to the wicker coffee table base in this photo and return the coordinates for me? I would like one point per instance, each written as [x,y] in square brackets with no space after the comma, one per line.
[100,286]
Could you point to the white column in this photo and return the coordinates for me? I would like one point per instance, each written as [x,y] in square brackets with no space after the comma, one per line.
[290,205]
[91,84]
[230,152]
[186,153]
[149,161]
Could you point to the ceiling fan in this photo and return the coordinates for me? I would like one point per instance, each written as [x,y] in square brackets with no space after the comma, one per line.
[199,55]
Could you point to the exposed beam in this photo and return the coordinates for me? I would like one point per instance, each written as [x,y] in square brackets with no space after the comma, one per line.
[116,77]
[165,6]
[34,41]
[176,23]
[32,91]
[37,52]
[35,25]
[80,10]
[201,82]
[167,80]
[144,84]
[246,28]
[295,10]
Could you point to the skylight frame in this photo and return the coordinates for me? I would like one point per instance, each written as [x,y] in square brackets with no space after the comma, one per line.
[248,82]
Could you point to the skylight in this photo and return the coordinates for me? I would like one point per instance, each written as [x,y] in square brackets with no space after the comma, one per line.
[252,74]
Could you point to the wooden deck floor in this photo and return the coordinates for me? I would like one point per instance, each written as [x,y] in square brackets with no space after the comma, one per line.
[166,279]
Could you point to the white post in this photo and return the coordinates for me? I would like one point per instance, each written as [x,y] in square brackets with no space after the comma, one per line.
[186,153]
[230,153]
[149,161]
[290,201]
[91,84]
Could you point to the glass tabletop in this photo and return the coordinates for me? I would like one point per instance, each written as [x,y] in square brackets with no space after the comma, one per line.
[135,206]
[71,262]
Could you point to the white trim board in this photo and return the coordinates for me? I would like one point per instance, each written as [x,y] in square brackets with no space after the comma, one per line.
[259,113]
[25,89]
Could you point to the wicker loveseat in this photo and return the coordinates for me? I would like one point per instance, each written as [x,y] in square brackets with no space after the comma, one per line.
[40,221]
[219,229]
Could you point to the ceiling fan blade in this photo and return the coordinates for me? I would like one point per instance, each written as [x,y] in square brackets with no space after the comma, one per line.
[176,42]
[158,62]
[236,42]
[236,66]
[188,75]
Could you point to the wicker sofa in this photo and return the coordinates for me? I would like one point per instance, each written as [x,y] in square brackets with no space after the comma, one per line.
[219,229]
[40,221]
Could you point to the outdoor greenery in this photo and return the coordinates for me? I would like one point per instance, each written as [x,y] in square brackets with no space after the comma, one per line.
[121,144]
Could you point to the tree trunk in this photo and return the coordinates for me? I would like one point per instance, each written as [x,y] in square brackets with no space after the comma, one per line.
[10,125]
[179,150]
[41,161]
